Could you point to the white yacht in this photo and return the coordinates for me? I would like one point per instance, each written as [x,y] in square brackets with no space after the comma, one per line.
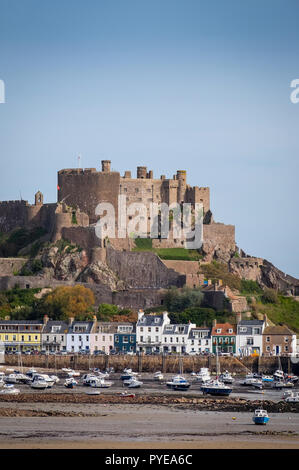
[133,383]
[100,383]
[9,389]
[292,398]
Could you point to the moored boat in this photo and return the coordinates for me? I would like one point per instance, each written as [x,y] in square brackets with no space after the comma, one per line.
[260,417]
[178,382]
[216,387]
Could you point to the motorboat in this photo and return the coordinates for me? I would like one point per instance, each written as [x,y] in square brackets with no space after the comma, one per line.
[9,389]
[291,378]
[88,378]
[292,398]
[100,383]
[226,378]
[178,382]
[278,374]
[282,384]
[93,391]
[216,387]
[31,372]
[203,375]
[267,378]
[71,372]
[257,384]
[133,383]
[70,382]
[11,378]
[260,417]
[158,375]
[54,378]
[127,374]
[41,381]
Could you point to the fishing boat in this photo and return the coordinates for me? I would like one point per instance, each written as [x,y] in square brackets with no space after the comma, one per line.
[133,383]
[178,382]
[226,378]
[260,417]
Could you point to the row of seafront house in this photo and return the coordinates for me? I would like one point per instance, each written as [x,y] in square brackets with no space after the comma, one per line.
[151,334]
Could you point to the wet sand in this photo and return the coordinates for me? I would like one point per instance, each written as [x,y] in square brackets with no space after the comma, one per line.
[147,426]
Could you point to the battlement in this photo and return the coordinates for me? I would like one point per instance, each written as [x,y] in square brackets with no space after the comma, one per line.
[18,202]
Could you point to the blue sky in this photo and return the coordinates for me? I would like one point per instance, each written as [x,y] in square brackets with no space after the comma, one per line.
[197,85]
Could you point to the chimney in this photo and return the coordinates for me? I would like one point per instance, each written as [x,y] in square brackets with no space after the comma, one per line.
[127,174]
[46,319]
[238,317]
[214,323]
[71,319]
[140,314]
[94,318]
[7,318]
[165,316]
[265,319]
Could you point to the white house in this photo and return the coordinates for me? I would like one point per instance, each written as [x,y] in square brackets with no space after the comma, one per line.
[249,339]
[79,336]
[54,335]
[149,329]
[199,340]
[175,338]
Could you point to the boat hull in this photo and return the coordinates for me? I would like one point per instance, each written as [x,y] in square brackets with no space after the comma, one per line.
[260,419]
[216,391]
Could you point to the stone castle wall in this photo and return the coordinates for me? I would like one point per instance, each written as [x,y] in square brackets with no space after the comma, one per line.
[142,269]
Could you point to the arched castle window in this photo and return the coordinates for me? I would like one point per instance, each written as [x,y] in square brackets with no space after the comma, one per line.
[39,198]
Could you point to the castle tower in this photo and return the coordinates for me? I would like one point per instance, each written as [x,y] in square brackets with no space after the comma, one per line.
[106,166]
[182,179]
[141,172]
[39,198]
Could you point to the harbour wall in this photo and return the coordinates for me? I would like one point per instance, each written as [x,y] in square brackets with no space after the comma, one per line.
[167,364]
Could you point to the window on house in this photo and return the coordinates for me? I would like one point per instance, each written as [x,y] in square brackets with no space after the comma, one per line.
[125,339]
[286,339]
[157,329]
[249,341]
[286,348]
[256,331]
[117,339]
[149,329]
[268,339]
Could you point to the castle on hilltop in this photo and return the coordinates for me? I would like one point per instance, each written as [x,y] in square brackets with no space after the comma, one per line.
[79,191]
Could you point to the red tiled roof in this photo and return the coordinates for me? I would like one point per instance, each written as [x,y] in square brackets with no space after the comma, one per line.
[224,329]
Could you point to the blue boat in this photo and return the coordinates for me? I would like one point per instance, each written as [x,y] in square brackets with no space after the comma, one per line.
[260,417]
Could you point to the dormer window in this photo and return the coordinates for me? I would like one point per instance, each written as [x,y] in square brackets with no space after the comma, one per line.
[218,330]
[230,331]
[243,329]
[156,320]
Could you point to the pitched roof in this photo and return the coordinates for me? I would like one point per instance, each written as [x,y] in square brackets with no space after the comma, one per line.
[278,330]
[224,327]
[150,320]
[63,326]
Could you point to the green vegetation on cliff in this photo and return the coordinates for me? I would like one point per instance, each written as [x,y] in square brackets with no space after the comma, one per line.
[11,243]
[216,271]
[145,244]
